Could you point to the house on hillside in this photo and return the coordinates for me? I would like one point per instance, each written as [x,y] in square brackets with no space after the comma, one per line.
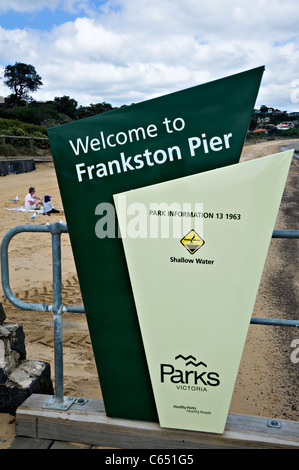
[260,131]
[285,125]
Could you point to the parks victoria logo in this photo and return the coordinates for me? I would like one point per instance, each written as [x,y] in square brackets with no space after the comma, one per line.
[190,374]
[192,242]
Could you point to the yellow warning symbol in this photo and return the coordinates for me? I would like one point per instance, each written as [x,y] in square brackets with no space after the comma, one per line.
[192,241]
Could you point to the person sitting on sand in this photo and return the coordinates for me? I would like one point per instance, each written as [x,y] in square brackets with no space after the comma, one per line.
[48,206]
[32,201]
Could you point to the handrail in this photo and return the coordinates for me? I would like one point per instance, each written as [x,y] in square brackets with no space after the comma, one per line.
[26,137]
[58,401]
[30,138]
[278,321]
[56,229]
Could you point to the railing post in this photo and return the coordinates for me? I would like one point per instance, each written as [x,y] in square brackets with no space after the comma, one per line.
[57,313]
[58,401]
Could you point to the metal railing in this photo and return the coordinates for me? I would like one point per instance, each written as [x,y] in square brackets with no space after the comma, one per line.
[56,229]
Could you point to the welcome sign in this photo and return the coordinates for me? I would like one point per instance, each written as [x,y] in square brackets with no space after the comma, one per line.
[160,140]
[196,303]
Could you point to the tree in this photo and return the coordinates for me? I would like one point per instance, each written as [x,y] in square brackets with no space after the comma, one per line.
[253,122]
[66,105]
[21,78]
[93,109]
[264,109]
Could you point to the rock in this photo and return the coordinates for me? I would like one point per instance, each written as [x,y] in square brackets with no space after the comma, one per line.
[2,314]
[18,339]
[12,347]
[29,377]
[19,377]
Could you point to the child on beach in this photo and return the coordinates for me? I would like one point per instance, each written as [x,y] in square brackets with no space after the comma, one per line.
[48,207]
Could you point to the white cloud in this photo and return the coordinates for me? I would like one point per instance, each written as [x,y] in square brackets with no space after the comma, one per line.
[128,51]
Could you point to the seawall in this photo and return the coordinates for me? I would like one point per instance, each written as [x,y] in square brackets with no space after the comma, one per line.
[10,167]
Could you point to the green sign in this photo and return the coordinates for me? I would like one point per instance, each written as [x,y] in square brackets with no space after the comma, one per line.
[195,304]
[177,135]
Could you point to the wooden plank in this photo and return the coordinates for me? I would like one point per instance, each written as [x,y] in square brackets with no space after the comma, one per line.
[69,445]
[30,443]
[36,443]
[89,424]
[24,137]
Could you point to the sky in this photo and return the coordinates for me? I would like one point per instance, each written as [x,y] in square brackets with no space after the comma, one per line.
[127,51]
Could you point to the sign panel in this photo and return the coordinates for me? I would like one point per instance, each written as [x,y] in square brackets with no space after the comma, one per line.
[195,289]
[184,133]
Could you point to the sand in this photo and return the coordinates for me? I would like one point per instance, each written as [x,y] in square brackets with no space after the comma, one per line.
[267,383]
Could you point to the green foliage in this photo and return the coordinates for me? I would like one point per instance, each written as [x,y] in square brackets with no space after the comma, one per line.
[277,118]
[50,113]
[273,133]
[93,109]
[9,146]
[290,133]
[8,150]
[39,113]
[15,127]
[66,105]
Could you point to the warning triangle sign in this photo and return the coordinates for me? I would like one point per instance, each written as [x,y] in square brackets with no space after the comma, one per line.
[195,302]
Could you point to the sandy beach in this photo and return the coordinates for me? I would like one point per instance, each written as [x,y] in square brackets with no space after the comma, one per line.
[267,383]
